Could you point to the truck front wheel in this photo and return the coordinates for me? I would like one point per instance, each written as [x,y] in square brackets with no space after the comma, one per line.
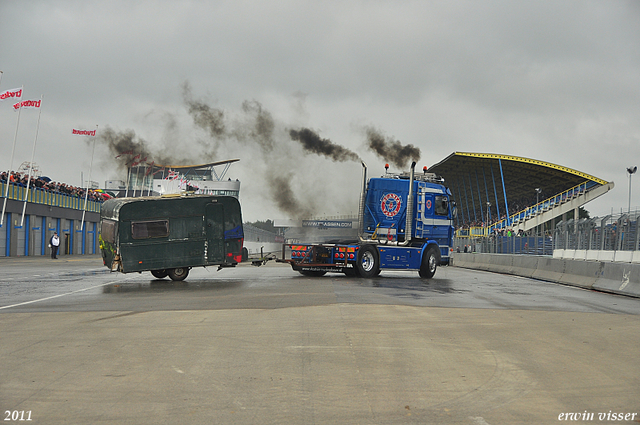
[368,263]
[430,261]
[179,273]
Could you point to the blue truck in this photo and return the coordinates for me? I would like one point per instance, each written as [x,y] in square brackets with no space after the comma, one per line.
[405,223]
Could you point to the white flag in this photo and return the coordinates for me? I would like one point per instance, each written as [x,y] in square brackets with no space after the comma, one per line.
[28,104]
[13,93]
[84,132]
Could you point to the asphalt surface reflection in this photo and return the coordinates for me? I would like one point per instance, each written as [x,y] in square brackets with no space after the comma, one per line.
[268,345]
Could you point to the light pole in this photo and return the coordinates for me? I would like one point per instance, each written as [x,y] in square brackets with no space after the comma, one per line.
[630,170]
[488,224]
[538,191]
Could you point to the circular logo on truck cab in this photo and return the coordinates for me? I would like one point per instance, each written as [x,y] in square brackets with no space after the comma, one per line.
[390,204]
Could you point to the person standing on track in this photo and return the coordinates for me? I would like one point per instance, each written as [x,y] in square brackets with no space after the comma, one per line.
[54,243]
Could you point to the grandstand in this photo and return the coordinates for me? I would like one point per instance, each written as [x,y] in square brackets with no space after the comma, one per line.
[496,192]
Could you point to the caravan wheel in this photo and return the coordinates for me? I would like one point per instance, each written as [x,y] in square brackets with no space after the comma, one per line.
[180,273]
[160,274]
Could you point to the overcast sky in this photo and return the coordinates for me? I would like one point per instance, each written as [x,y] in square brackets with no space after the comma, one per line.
[557,81]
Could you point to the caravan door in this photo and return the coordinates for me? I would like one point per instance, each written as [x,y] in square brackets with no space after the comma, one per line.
[214,220]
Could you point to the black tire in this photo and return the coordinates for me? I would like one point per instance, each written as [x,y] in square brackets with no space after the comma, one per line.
[352,272]
[160,274]
[368,263]
[312,273]
[430,262]
[245,254]
[179,273]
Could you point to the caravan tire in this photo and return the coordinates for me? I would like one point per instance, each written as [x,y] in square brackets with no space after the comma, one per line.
[160,274]
[179,273]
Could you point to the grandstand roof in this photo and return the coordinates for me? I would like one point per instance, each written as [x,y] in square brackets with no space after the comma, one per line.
[470,174]
[185,168]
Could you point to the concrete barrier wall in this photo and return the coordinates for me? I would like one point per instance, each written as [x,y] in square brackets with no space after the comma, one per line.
[597,255]
[608,276]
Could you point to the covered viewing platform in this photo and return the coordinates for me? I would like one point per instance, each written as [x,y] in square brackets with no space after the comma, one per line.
[496,192]
[160,179]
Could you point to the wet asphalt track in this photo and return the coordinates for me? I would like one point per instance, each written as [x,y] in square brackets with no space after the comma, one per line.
[267,345]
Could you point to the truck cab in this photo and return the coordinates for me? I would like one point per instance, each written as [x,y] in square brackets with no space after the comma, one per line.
[405,222]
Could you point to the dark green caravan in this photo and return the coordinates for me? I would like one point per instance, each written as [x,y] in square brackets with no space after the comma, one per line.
[168,235]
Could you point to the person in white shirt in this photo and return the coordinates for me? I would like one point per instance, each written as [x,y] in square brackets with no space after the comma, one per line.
[54,242]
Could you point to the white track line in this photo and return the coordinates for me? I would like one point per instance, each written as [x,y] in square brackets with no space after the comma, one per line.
[60,295]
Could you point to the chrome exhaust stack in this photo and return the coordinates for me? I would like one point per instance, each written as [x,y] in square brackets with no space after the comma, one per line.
[408,228]
[363,196]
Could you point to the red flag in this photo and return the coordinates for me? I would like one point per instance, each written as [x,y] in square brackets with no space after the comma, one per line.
[129,152]
[135,161]
[150,169]
[12,93]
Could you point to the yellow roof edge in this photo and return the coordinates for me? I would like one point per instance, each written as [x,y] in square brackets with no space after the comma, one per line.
[534,162]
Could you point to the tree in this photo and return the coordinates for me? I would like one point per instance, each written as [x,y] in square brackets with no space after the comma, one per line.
[264,225]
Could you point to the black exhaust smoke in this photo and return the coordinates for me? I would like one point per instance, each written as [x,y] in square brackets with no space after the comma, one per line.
[255,128]
[391,150]
[312,142]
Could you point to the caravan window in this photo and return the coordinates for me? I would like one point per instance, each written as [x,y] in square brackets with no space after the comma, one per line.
[108,231]
[150,229]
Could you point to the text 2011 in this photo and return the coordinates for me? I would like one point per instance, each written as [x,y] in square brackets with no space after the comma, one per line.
[17,415]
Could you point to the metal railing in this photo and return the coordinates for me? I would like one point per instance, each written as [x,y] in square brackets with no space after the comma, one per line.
[526,245]
[544,205]
[45,197]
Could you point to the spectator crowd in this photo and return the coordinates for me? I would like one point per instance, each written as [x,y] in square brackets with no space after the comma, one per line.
[43,183]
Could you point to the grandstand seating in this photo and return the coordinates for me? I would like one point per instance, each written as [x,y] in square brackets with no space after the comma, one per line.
[552,207]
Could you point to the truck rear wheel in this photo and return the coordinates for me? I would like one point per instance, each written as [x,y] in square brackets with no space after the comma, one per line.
[430,261]
[352,272]
[160,274]
[368,263]
[179,273]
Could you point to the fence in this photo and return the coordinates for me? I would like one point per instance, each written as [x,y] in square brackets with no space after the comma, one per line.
[529,245]
[45,197]
[611,233]
[618,232]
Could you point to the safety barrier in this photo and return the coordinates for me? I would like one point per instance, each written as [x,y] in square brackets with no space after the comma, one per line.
[597,255]
[41,196]
[607,276]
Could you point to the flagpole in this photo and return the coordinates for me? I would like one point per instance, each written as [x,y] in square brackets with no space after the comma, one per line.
[86,193]
[33,153]
[151,181]
[15,138]
[126,192]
